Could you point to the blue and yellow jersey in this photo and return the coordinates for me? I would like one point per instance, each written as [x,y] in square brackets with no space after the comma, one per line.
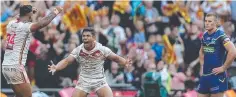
[214,50]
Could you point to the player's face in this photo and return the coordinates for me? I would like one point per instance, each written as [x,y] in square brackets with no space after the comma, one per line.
[30,17]
[34,10]
[210,23]
[87,37]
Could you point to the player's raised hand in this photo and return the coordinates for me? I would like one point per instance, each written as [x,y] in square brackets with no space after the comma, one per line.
[52,67]
[129,62]
[218,70]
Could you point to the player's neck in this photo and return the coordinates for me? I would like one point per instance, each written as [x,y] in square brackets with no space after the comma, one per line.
[24,19]
[89,46]
[211,31]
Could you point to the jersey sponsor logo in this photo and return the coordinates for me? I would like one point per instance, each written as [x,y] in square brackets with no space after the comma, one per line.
[10,69]
[208,49]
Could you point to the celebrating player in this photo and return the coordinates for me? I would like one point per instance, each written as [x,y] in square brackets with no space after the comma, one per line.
[91,55]
[19,33]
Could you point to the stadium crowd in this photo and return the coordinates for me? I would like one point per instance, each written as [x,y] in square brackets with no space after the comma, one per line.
[160,36]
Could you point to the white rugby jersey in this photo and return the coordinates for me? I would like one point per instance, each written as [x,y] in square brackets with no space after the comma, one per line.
[91,62]
[17,43]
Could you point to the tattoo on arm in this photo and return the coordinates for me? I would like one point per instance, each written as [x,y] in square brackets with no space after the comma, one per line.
[46,20]
[43,22]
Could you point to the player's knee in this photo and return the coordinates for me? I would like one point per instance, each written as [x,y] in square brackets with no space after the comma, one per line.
[24,94]
[109,95]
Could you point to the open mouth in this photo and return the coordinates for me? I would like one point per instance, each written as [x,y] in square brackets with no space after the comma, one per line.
[85,41]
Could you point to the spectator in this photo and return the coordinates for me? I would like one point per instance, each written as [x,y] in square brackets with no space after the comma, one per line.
[105,25]
[233,14]
[151,13]
[157,46]
[67,87]
[114,76]
[189,84]
[153,78]
[192,45]
[149,52]
[129,76]
[139,36]
[130,36]
[162,68]
[177,82]
[116,34]
[169,39]
[8,10]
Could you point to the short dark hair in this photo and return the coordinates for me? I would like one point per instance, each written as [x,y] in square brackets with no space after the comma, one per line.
[25,9]
[88,29]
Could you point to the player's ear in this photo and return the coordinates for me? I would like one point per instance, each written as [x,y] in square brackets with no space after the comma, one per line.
[218,23]
[94,37]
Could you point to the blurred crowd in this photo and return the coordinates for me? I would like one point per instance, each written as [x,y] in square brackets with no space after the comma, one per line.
[160,36]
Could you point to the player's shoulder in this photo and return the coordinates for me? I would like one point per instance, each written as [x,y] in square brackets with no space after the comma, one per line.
[78,48]
[204,35]
[101,47]
[220,32]
[11,21]
[15,22]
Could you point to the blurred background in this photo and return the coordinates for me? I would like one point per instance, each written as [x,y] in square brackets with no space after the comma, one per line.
[162,37]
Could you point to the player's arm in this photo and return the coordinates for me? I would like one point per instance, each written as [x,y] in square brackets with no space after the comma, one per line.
[201,56]
[201,60]
[45,20]
[64,63]
[120,60]
[229,46]
[61,65]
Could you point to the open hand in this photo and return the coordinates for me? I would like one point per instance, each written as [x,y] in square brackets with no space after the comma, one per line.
[52,68]
[218,70]
[129,62]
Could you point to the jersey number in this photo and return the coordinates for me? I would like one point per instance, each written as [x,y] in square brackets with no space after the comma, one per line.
[10,41]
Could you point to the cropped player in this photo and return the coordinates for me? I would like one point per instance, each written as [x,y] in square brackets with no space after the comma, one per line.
[91,55]
[215,43]
[19,33]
